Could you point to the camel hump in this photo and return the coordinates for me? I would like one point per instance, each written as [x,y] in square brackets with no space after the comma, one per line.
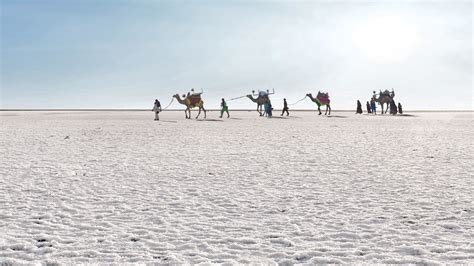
[323,98]
[195,99]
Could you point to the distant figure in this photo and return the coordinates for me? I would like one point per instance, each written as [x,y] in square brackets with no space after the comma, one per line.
[400,110]
[285,108]
[157,109]
[369,111]
[224,108]
[373,106]
[359,107]
[393,107]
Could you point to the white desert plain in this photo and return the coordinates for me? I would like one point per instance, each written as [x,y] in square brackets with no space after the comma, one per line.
[118,187]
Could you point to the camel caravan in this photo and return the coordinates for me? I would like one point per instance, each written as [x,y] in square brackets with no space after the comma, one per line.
[264,106]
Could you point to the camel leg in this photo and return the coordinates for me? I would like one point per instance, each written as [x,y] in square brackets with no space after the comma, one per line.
[199,112]
[329,107]
[186,113]
[189,116]
[319,109]
[204,111]
[259,110]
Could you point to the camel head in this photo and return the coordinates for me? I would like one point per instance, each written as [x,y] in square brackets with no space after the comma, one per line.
[177,96]
[309,95]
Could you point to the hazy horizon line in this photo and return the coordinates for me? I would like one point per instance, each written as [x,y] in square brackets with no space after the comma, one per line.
[208,110]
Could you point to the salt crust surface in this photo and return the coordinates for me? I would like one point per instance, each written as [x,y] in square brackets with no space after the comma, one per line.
[99,187]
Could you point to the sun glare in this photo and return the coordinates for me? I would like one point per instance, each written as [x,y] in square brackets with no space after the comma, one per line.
[386,39]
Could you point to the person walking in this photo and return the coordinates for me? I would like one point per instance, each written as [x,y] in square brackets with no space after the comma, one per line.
[285,108]
[359,107]
[157,109]
[373,106]
[224,108]
[400,110]
[393,107]
[369,111]
[268,109]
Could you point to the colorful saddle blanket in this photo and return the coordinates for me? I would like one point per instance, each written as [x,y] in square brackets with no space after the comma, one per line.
[194,99]
[323,100]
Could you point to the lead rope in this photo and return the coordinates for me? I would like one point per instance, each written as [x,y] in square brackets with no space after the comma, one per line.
[298,101]
[172,99]
[237,98]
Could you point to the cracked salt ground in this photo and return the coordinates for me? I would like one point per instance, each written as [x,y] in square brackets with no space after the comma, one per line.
[118,187]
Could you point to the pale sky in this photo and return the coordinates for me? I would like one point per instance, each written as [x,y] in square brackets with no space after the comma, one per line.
[124,54]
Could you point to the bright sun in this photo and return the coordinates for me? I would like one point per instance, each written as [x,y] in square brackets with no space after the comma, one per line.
[386,39]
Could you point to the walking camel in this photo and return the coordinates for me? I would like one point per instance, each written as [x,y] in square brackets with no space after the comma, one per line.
[321,99]
[384,98]
[191,101]
[260,100]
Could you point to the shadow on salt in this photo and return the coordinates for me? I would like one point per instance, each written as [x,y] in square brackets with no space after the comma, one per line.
[210,120]
[336,116]
[276,117]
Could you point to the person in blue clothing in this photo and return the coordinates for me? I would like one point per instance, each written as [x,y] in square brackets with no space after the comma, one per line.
[265,109]
[268,109]
[373,106]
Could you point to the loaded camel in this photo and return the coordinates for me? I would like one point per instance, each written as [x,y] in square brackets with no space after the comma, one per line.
[321,99]
[260,100]
[384,98]
[191,101]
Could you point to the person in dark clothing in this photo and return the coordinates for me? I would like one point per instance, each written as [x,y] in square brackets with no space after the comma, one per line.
[393,107]
[400,110]
[359,107]
[285,108]
[369,111]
